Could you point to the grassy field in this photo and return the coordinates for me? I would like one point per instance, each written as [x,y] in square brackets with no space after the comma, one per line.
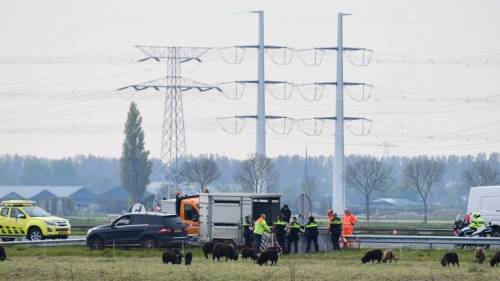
[78,263]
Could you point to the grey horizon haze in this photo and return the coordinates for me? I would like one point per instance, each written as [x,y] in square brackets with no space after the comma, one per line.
[435,70]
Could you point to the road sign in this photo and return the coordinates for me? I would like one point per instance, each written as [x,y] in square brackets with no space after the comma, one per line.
[303,205]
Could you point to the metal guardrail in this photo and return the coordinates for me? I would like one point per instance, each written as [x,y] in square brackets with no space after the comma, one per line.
[48,242]
[424,240]
[360,230]
[358,239]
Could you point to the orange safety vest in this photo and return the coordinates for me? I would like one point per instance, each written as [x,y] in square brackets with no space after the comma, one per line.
[348,222]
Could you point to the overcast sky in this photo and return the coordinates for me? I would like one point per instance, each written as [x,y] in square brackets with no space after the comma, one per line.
[435,71]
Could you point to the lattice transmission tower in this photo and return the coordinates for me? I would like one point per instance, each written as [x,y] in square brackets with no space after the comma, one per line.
[173,85]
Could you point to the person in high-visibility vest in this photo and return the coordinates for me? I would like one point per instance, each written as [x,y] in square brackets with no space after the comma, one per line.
[335,230]
[312,234]
[248,231]
[280,229]
[348,222]
[477,221]
[260,228]
[293,235]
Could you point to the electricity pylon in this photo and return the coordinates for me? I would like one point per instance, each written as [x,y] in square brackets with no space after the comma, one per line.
[173,85]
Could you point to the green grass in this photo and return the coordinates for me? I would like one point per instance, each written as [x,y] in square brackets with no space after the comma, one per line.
[78,263]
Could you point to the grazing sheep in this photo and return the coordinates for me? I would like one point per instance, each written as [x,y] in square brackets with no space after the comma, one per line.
[371,256]
[480,255]
[495,260]
[188,258]
[268,255]
[173,256]
[224,250]
[450,258]
[389,256]
[208,248]
[248,253]
[3,255]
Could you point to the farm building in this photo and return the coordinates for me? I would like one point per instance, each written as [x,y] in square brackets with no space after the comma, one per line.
[59,200]
[116,200]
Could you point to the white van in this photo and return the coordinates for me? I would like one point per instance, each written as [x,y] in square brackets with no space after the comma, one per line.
[486,200]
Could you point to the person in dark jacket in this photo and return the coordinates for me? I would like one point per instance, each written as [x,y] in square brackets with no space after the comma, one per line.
[293,235]
[280,230]
[248,231]
[312,234]
[335,230]
[286,213]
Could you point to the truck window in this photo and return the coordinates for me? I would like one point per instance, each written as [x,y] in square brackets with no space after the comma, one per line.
[190,213]
[14,212]
[5,212]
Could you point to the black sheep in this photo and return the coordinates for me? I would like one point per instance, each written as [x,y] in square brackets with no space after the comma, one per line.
[371,256]
[248,253]
[450,258]
[480,255]
[173,256]
[495,260]
[188,258]
[224,250]
[208,248]
[3,255]
[268,255]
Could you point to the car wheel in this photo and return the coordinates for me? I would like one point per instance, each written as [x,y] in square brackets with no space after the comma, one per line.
[95,243]
[148,243]
[8,239]
[35,234]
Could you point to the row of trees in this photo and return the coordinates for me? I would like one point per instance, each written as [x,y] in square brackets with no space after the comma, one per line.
[366,176]
[254,174]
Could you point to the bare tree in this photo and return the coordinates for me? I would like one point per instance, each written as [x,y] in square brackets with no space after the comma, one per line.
[421,174]
[308,186]
[367,175]
[255,173]
[481,173]
[199,172]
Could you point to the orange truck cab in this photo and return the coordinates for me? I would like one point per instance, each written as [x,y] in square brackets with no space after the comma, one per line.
[188,209]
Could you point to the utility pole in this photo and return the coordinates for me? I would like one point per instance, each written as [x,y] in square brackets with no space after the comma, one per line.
[338,200]
[261,91]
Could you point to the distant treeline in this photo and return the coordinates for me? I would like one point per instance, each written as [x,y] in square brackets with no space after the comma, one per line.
[100,174]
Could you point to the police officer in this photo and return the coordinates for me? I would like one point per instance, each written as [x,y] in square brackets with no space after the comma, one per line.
[312,234]
[248,231]
[280,228]
[335,229]
[293,235]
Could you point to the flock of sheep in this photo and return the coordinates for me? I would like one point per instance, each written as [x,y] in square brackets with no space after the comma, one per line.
[228,252]
[446,260]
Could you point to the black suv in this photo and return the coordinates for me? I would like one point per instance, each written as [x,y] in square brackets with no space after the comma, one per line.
[146,229]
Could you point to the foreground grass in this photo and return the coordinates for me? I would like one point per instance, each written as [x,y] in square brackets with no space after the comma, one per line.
[78,263]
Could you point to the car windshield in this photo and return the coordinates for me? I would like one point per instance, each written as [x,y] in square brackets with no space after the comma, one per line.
[34,211]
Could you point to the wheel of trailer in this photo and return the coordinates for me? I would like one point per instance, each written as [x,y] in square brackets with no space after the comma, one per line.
[148,243]
[95,243]
[34,234]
